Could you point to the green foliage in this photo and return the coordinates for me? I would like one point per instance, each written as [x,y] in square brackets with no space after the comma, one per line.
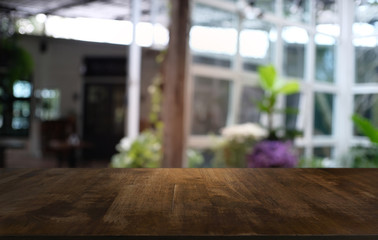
[273,88]
[287,88]
[366,128]
[232,153]
[18,61]
[365,157]
[270,83]
[311,163]
[195,159]
[161,56]
[145,151]
[156,99]
[267,77]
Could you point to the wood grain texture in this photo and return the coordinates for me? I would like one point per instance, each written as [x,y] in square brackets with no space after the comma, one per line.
[189,203]
[175,84]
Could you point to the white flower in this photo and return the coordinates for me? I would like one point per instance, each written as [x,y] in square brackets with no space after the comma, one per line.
[124,144]
[126,160]
[242,131]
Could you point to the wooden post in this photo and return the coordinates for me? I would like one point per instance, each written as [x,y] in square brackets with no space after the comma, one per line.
[175,78]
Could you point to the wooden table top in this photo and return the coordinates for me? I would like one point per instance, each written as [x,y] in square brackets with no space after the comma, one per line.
[189,203]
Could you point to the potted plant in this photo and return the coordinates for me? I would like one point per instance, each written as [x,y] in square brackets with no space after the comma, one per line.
[236,143]
[276,150]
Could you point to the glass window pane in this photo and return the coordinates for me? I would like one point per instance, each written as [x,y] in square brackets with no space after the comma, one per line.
[21,113]
[323,152]
[210,105]
[297,10]
[19,123]
[248,111]
[325,58]
[327,17]
[47,104]
[22,89]
[326,12]
[366,12]
[21,109]
[366,53]
[367,106]
[256,44]
[295,40]
[323,114]
[328,29]
[213,36]
[292,105]
[265,5]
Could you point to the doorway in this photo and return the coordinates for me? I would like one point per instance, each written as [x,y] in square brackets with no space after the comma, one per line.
[104,106]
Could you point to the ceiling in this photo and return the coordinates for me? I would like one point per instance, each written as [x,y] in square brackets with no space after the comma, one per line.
[106,9]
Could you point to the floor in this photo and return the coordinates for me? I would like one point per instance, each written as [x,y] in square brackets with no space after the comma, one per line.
[24,159]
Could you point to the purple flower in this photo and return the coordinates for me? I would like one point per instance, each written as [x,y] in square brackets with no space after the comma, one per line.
[269,154]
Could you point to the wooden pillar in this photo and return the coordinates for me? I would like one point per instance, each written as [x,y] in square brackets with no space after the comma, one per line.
[175,78]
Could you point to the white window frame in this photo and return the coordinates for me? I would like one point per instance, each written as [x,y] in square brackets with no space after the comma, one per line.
[343,88]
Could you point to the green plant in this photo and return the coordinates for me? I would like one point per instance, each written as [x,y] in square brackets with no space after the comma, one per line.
[273,87]
[311,163]
[236,143]
[146,149]
[366,128]
[365,156]
[231,153]
[195,159]
[16,60]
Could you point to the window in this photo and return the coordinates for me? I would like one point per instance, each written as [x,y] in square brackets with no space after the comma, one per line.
[366,54]
[292,105]
[15,110]
[302,40]
[325,58]
[323,111]
[366,105]
[365,42]
[297,10]
[249,98]
[210,106]
[47,104]
[206,33]
[257,39]
[294,51]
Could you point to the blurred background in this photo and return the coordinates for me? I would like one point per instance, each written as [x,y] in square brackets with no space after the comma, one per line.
[64,65]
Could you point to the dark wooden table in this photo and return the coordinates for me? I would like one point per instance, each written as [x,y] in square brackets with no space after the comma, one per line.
[189,204]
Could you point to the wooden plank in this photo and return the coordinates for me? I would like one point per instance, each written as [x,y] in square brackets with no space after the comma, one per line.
[189,204]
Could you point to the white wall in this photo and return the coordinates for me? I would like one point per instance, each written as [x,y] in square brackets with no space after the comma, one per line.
[59,67]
